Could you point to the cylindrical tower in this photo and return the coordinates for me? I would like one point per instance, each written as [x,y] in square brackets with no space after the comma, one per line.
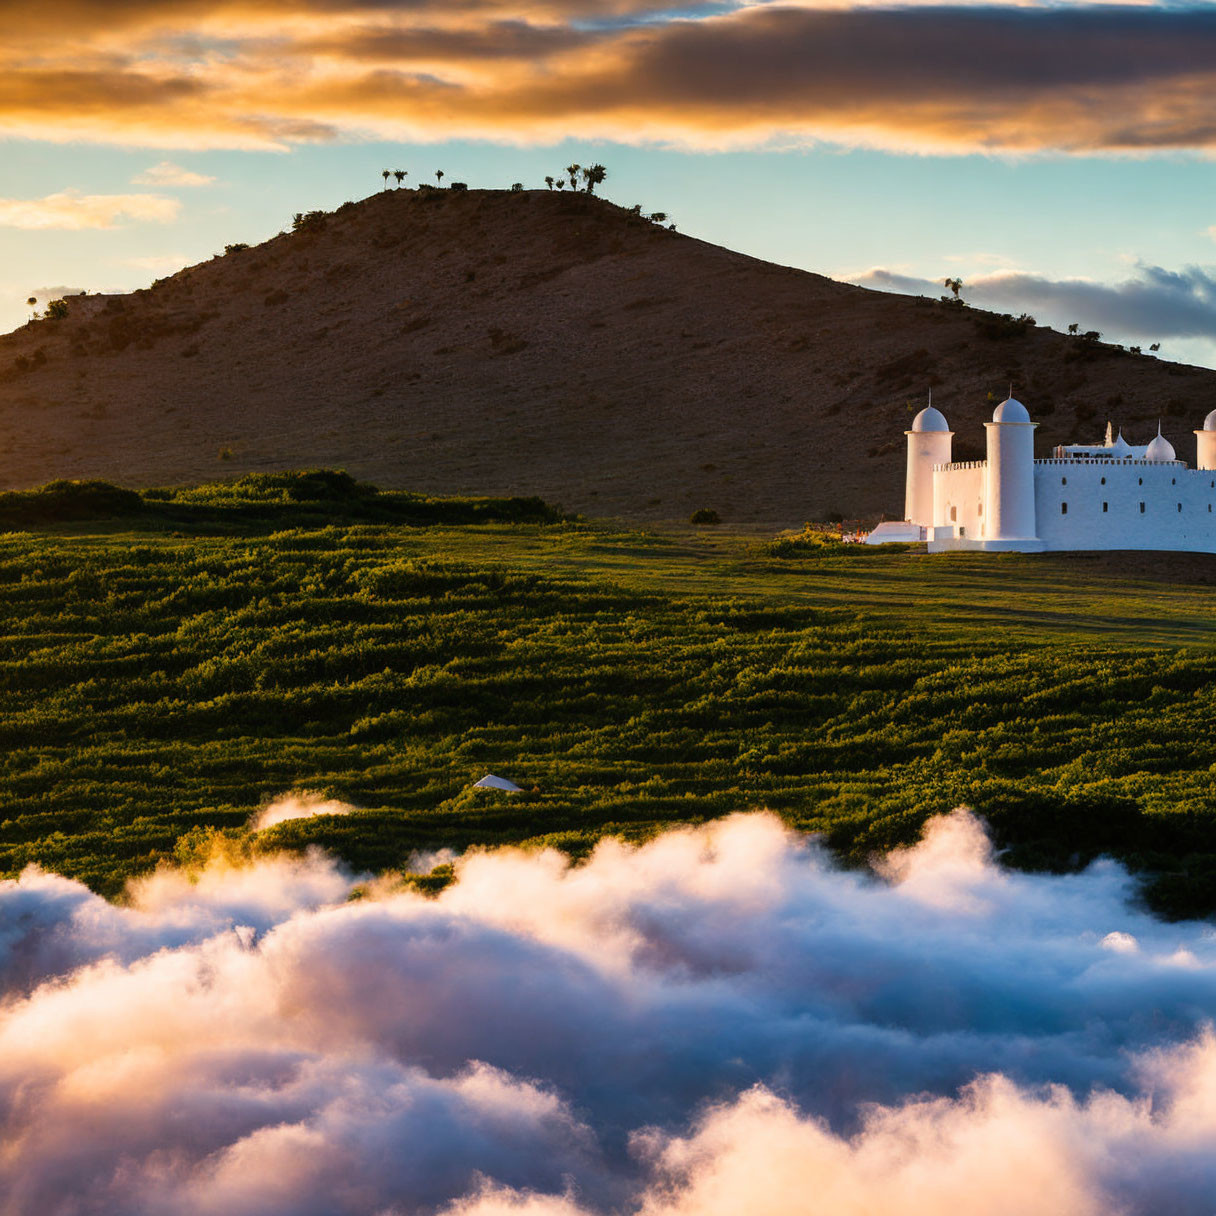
[928,444]
[1205,443]
[1009,512]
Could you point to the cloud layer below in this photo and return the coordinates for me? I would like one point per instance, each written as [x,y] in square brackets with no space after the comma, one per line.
[720,1021]
[946,78]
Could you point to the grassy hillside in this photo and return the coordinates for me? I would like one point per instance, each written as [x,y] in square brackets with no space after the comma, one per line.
[172,667]
[545,344]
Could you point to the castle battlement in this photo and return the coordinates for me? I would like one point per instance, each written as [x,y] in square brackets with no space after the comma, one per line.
[1098,462]
[1121,496]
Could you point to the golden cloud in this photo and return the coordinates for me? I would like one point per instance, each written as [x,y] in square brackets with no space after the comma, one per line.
[70,210]
[168,174]
[961,79]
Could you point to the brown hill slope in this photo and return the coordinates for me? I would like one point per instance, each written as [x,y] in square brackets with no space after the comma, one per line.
[543,343]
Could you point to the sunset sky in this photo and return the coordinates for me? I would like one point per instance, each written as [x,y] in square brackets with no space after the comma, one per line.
[1056,158]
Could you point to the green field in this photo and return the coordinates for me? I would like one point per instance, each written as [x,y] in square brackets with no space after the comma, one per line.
[174,661]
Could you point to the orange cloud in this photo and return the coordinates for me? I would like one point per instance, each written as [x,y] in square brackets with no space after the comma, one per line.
[265,74]
[168,174]
[69,210]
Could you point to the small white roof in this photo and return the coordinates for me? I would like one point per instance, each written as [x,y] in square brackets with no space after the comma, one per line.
[1011,410]
[930,419]
[490,782]
[1159,448]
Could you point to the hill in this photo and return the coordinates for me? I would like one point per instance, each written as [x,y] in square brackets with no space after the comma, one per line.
[535,343]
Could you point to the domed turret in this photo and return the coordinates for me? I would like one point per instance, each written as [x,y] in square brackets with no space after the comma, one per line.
[1160,449]
[1205,443]
[930,419]
[1011,410]
[1120,449]
[1010,511]
[929,443]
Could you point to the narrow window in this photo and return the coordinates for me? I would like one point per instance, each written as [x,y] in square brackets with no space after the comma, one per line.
[1180,508]
[1173,481]
[1104,481]
[1063,508]
[979,510]
[1142,508]
[954,513]
[1209,508]
[1104,508]
[1140,482]
[1063,481]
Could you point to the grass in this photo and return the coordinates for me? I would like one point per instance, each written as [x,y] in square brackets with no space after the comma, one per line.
[169,665]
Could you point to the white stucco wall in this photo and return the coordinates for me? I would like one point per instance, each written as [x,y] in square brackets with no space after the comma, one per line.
[958,497]
[1123,486]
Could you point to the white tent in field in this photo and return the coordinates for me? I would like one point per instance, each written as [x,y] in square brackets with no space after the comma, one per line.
[490,782]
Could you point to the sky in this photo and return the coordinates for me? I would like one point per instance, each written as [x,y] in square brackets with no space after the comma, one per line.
[1055,157]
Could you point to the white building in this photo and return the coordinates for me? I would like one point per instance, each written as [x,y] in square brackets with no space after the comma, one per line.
[1097,496]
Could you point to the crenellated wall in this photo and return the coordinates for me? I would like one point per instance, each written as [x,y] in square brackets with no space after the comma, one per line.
[1103,500]
[958,497]
[1179,505]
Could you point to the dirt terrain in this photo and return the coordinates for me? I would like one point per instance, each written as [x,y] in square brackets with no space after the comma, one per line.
[542,343]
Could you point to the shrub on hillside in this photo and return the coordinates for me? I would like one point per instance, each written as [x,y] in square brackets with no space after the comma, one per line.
[705,516]
[61,501]
[308,221]
[810,541]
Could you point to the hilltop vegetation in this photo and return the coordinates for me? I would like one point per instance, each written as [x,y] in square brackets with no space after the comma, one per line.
[163,679]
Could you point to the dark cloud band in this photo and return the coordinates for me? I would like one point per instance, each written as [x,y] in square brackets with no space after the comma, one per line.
[1152,304]
[1081,79]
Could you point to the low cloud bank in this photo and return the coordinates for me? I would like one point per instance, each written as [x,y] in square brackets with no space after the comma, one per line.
[1151,305]
[719,1021]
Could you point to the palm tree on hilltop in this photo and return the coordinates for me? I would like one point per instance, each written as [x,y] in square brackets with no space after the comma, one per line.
[439,176]
[573,171]
[400,175]
[593,176]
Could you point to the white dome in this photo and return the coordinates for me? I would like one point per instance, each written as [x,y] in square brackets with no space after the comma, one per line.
[930,419]
[1120,447]
[1011,411]
[1160,449]
[1209,423]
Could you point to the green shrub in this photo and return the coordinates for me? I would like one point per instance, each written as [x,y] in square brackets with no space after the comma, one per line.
[59,501]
